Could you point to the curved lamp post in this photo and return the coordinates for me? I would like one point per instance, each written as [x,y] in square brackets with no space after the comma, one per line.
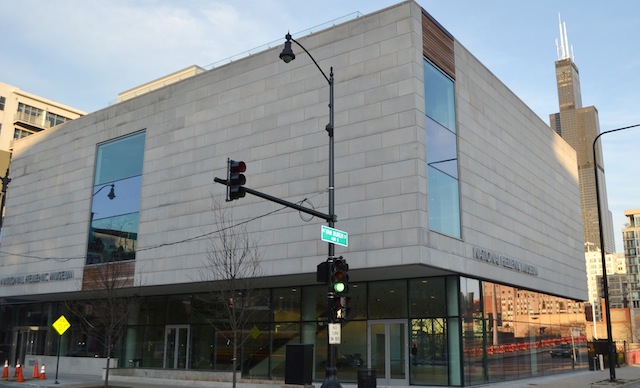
[605,282]
[112,193]
[287,55]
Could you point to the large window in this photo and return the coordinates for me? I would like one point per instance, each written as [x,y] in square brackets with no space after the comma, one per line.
[442,152]
[116,200]
[54,119]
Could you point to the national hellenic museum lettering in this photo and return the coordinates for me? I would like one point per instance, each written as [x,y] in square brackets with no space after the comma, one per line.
[36,278]
[503,261]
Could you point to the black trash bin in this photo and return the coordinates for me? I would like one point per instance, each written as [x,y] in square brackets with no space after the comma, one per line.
[298,364]
[366,378]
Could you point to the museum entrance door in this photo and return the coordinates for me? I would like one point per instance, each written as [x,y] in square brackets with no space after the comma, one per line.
[176,347]
[388,351]
[27,341]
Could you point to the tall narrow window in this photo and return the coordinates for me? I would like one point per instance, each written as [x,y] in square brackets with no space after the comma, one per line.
[113,232]
[442,152]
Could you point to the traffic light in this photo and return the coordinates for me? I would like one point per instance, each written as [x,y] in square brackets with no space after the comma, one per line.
[339,276]
[341,308]
[235,179]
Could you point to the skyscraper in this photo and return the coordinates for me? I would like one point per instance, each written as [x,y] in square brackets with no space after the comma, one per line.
[579,126]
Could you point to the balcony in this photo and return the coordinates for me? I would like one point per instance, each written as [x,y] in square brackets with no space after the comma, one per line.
[35,123]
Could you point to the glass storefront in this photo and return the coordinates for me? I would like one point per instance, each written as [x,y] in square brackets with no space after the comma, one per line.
[427,331]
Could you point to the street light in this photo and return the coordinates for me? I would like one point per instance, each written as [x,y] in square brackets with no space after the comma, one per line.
[287,55]
[112,193]
[605,281]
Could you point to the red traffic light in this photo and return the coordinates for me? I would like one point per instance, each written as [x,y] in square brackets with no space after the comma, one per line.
[235,179]
[237,166]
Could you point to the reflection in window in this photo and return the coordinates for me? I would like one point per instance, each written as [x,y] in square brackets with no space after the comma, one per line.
[429,355]
[113,234]
[439,99]
[441,149]
[442,152]
[522,327]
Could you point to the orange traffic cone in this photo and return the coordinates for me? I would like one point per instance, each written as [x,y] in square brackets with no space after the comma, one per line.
[42,373]
[5,371]
[17,368]
[20,376]
[36,373]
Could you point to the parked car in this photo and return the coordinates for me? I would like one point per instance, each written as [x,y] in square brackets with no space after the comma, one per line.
[564,351]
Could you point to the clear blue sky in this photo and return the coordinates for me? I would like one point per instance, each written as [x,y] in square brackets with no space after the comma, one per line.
[83,53]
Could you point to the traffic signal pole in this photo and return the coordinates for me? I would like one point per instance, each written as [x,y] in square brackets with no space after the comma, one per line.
[280,201]
[287,55]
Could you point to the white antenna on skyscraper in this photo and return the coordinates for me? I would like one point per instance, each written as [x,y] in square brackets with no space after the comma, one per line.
[564,50]
[561,52]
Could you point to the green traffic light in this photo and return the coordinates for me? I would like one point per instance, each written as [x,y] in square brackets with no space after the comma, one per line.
[338,287]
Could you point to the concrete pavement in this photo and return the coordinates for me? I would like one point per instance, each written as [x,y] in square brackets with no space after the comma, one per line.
[628,376]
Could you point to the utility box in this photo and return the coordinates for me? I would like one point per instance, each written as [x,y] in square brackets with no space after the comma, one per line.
[298,364]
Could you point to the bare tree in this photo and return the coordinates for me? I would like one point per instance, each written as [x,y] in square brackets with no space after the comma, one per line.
[110,299]
[232,267]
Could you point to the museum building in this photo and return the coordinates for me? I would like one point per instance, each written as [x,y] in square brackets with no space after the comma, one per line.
[462,208]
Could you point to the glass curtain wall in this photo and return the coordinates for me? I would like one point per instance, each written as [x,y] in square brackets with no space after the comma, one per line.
[442,152]
[460,331]
[526,334]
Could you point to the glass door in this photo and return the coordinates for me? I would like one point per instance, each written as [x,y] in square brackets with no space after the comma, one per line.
[176,347]
[388,351]
[28,341]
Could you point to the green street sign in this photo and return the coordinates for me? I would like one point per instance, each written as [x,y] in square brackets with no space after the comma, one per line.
[335,236]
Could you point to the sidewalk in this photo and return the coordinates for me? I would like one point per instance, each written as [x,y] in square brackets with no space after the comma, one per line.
[74,381]
[628,377]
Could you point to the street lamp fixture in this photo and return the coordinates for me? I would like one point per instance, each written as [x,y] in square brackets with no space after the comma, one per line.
[287,55]
[605,281]
[112,193]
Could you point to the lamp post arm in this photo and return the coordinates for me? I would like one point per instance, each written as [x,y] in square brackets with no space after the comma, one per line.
[314,61]
[609,131]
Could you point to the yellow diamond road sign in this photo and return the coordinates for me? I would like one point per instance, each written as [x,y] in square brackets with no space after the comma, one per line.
[255,332]
[61,325]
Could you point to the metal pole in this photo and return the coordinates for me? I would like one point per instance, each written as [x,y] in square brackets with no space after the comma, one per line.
[331,379]
[605,282]
[58,358]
